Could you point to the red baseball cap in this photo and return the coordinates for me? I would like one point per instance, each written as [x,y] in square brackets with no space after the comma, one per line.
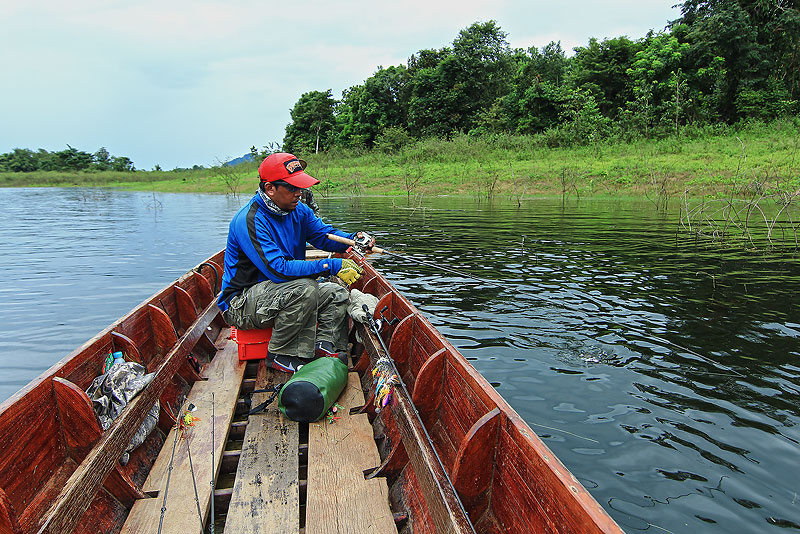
[285,167]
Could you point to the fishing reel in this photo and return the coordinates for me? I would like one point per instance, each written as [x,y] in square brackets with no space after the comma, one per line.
[363,242]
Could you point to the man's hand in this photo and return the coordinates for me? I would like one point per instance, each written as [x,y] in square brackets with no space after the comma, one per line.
[364,240]
[350,271]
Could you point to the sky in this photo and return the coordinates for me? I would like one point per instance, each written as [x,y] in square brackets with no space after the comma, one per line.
[184,83]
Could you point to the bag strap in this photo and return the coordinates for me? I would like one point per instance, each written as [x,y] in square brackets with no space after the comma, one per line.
[275,390]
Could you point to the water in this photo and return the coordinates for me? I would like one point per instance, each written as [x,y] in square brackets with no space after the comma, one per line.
[664,374]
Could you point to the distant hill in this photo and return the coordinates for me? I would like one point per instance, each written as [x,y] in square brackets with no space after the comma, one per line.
[244,159]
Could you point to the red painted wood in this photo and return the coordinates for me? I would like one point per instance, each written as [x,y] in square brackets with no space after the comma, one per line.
[29,458]
[81,487]
[82,430]
[214,281]
[187,310]
[31,517]
[205,347]
[443,443]
[367,284]
[78,420]
[393,464]
[163,329]
[413,498]
[8,518]
[473,467]
[120,485]
[385,302]
[123,343]
[142,459]
[466,397]
[400,344]
[467,408]
[205,290]
[427,394]
[104,516]
[423,345]
[446,511]
[563,502]
[34,465]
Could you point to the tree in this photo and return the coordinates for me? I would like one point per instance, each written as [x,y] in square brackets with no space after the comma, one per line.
[484,60]
[312,123]
[102,159]
[72,159]
[122,164]
[658,82]
[537,95]
[19,160]
[451,87]
[601,68]
[380,103]
[759,43]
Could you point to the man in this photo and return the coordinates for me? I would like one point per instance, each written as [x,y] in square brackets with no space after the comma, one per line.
[268,282]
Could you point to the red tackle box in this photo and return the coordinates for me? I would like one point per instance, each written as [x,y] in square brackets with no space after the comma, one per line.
[252,343]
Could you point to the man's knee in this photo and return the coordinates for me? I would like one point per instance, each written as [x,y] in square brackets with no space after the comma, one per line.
[333,294]
[307,291]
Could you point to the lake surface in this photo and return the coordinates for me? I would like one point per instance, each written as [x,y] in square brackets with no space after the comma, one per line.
[664,373]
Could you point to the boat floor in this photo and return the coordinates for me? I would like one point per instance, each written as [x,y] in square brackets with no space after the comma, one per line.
[281,484]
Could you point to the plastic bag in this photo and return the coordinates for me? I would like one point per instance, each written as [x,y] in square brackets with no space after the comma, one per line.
[111,392]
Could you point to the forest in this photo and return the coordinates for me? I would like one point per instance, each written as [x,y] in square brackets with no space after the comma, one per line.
[721,62]
[69,160]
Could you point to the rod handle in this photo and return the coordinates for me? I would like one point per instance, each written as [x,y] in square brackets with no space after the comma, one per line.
[344,240]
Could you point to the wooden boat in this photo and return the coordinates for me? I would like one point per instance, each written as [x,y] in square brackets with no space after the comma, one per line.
[446,454]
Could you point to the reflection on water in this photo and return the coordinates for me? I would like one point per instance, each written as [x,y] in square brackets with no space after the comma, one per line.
[663,374]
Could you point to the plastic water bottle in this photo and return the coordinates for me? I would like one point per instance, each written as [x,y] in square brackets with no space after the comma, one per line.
[117,358]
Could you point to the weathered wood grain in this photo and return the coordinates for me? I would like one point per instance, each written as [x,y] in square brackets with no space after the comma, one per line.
[440,497]
[187,310]
[224,374]
[339,498]
[77,493]
[126,345]
[266,494]
[8,517]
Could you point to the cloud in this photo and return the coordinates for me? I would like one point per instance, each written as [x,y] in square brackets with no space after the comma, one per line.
[181,83]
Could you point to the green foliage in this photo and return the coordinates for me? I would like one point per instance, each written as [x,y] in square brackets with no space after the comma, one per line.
[392,140]
[721,61]
[365,110]
[312,125]
[601,69]
[69,160]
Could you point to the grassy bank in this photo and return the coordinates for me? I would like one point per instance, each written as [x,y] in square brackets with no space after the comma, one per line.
[717,161]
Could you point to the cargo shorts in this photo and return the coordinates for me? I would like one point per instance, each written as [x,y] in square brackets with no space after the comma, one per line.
[300,312]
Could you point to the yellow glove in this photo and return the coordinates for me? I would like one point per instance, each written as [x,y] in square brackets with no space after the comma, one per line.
[350,271]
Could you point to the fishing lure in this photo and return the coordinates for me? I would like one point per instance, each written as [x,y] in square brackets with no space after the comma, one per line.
[384,380]
[187,419]
[332,416]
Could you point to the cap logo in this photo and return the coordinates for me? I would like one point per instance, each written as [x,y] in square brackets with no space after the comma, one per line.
[293,166]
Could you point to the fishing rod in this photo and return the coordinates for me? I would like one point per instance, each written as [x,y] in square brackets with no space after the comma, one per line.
[213,465]
[598,302]
[344,240]
[169,473]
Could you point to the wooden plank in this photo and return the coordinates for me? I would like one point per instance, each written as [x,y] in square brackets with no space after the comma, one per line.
[78,491]
[266,496]
[224,374]
[339,499]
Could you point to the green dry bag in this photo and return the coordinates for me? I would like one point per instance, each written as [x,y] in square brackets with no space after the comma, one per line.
[312,390]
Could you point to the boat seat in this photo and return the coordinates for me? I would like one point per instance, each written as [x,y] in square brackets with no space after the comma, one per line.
[265,496]
[223,377]
[339,499]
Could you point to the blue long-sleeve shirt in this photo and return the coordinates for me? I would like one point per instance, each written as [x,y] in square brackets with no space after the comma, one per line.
[265,246]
